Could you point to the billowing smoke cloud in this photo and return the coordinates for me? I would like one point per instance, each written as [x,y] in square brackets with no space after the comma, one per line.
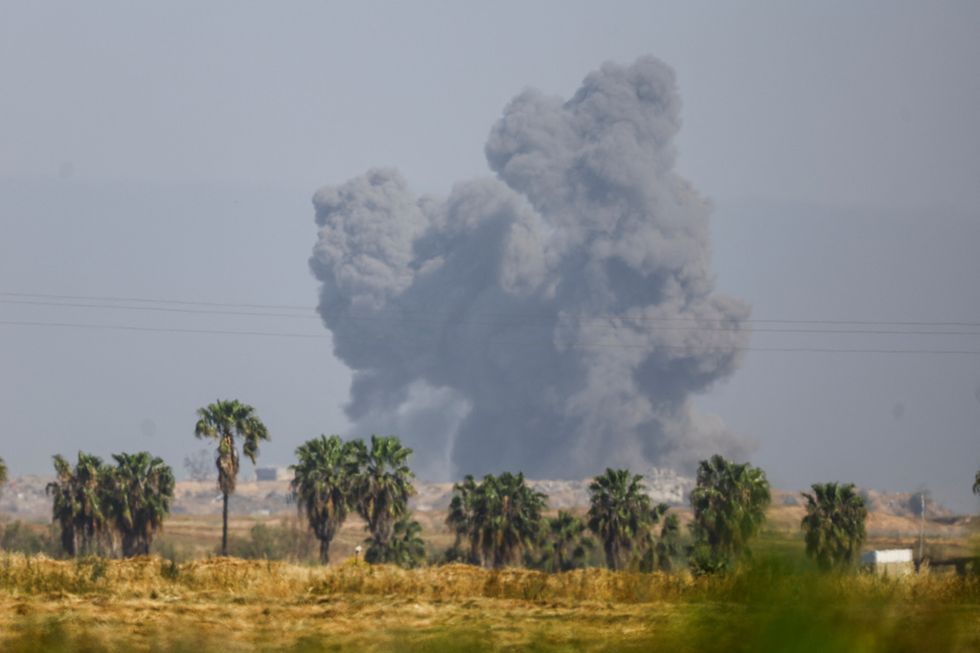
[554,319]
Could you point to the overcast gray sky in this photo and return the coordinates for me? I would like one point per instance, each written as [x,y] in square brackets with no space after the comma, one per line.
[170,151]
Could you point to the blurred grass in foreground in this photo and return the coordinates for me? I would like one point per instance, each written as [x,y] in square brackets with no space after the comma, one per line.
[774,603]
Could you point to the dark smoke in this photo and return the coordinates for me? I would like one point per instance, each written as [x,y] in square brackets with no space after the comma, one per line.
[555,319]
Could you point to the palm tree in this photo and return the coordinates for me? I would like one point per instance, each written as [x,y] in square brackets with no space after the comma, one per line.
[656,552]
[729,503]
[500,516]
[382,490]
[460,520]
[566,544]
[91,479]
[80,498]
[223,421]
[509,513]
[833,526]
[405,548]
[142,489]
[620,512]
[63,508]
[668,547]
[323,486]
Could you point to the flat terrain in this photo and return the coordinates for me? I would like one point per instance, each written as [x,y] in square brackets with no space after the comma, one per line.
[184,599]
[194,536]
[233,605]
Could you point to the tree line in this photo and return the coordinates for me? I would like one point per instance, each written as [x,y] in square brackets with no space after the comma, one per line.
[110,510]
[116,509]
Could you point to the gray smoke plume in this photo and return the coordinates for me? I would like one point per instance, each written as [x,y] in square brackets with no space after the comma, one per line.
[555,319]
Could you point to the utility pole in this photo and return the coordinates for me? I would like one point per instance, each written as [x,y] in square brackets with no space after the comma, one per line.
[922,524]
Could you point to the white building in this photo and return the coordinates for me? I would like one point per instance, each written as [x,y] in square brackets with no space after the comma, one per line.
[889,562]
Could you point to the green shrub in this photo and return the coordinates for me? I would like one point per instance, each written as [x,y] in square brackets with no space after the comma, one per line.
[29,538]
[286,541]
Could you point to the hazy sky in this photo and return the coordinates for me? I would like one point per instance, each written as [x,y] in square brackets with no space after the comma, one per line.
[171,150]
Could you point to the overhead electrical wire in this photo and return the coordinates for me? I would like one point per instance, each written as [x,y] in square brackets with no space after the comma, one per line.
[608,322]
[573,344]
[103,298]
[514,315]
[517,319]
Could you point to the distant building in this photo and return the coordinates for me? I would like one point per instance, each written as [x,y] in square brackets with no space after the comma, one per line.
[271,473]
[889,562]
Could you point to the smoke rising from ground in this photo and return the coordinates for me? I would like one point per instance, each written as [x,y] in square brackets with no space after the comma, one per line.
[555,319]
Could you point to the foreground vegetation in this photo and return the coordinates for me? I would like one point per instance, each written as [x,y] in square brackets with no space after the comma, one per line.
[772,604]
[533,581]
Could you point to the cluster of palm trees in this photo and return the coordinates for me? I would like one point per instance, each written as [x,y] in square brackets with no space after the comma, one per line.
[500,521]
[110,510]
[333,478]
[623,516]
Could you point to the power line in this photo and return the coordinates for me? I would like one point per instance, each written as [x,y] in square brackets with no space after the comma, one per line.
[731,329]
[513,315]
[514,320]
[583,344]
[127,327]
[159,309]
[103,298]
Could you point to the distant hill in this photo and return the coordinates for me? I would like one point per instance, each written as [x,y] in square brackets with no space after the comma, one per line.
[24,497]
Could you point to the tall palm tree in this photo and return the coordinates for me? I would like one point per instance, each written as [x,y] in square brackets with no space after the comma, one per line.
[566,544]
[142,490]
[619,513]
[382,490]
[833,526]
[223,421]
[323,486]
[729,502]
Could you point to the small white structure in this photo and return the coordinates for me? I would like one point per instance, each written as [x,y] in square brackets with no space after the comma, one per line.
[889,562]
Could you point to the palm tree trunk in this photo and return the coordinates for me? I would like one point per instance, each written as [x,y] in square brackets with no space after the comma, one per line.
[68,540]
[224,524]
[612,556]
[128,548]
[324,552]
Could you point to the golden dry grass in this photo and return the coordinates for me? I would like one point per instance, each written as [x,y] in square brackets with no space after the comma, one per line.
[207,604]
[225,604]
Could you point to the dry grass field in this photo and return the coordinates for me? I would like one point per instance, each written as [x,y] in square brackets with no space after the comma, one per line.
[224,604]
[184,599]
